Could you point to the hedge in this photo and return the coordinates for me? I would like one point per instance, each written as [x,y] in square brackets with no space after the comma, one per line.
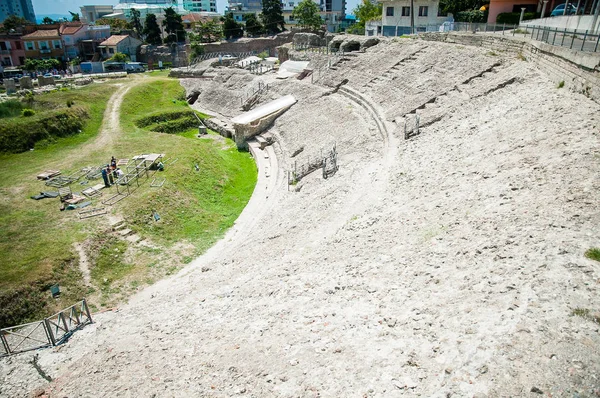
[512,18]
[475,16]
[176,126]
[161,117]
[21,134]
[10,108]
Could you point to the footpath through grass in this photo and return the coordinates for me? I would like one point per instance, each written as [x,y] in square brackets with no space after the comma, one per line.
[204,192]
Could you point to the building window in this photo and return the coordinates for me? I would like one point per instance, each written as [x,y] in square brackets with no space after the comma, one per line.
[57,44]
[111,50]
[29,45]
[389,11]
[423,11]
[43,45]
[406,11]
[18,45]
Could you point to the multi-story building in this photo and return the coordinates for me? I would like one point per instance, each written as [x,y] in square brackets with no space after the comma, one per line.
[90,14]
[396,18]
[200,5]
[145,7]
[20,8]
[120,44]
[44,44]
[11,50]
[332,12]
[72,34]
[89,47]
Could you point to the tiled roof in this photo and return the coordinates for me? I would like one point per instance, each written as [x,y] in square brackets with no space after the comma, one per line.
[114,40]
[41,34]
[70,30]
[193,17]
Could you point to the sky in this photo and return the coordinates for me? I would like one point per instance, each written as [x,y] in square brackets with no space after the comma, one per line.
[44,7]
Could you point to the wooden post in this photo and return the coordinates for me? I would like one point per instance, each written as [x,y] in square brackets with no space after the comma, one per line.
[4,343]
[64,321]
[49,334]
[87,310]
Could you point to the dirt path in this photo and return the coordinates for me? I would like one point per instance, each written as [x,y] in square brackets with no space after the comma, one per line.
[84,264]
[110,123]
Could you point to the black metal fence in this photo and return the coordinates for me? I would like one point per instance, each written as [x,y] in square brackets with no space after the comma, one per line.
[575,39]
[50,331]
[580,40]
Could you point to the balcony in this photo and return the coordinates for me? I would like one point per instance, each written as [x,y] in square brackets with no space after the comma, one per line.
[4,51]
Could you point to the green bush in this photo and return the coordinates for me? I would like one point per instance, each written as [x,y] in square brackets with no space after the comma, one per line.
[19,135]
[161,117]
[28,112]
[593,253]
[512,18]
[10,108]
[176,126]
[475,16]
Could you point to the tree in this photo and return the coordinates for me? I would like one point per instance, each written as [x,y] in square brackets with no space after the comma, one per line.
[366,11]
[455,6]
[206,32]
[173,26]
[74,16]
[253,25]
[41,64]
[272,16]
[152,30]
[232,29]
[47,21]
[14,22]
[136,22]
[307,14]
[116,25]
[119,57]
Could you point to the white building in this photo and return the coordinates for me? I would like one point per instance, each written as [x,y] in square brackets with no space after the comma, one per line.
[90,14]
[200,5]
[396,20]
[145,7]
[332,12]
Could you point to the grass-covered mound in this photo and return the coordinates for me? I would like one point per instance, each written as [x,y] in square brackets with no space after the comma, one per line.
[169,122]
[196,204]
[19,134]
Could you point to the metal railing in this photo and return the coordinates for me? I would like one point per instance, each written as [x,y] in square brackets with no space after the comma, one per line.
[574,39]
[579,40]
[204,57]
[50,331]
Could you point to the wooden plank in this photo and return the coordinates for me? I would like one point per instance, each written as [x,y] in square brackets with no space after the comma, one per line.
[46,174]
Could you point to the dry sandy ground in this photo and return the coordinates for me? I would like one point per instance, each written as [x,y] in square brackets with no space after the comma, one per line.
[445,265]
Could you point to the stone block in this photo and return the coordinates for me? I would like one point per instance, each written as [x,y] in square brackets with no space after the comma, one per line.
[45,81]
[26,83]
[10,85]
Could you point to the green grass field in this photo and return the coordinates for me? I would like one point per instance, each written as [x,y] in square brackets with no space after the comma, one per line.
[204,192]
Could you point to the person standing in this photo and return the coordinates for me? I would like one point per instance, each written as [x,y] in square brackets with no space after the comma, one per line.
[105,177]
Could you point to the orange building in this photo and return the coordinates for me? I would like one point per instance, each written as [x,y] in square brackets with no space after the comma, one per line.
[44,44]
[501,6]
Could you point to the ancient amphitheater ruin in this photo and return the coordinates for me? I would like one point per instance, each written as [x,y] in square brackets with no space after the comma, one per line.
[448,263]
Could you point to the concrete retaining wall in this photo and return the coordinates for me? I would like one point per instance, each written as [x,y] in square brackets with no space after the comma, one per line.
[571,22]
[579,70]
[221,127]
